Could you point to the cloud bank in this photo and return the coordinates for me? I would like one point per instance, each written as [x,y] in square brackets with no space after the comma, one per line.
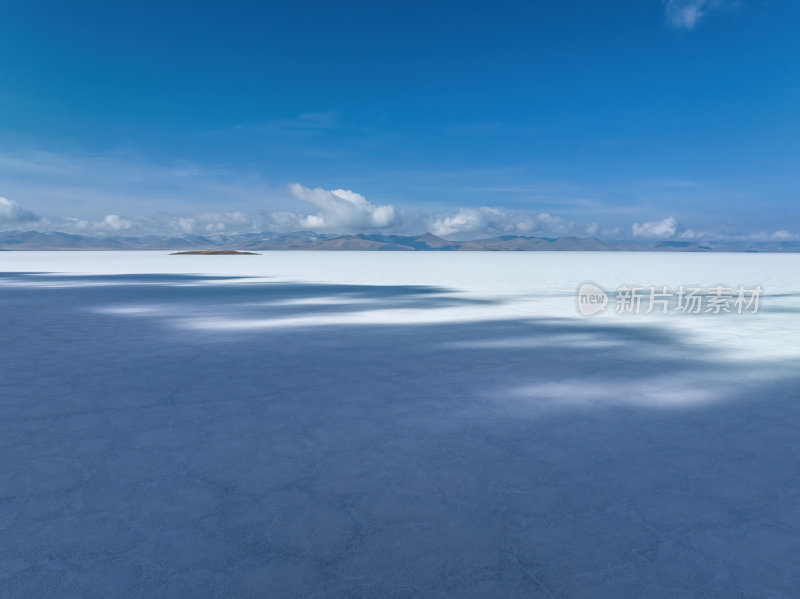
[344,211]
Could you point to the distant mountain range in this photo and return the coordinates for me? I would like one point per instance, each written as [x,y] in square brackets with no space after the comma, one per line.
[306,240]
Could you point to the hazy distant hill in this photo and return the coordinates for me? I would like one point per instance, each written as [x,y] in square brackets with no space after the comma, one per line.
[309,241]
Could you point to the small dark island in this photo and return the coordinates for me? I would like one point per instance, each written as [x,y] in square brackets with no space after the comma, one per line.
[214,253]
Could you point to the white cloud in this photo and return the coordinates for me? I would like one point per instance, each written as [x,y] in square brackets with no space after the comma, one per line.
[216,223]
[113,222]
[109,223]
[488,220]
[466,220]
[685,14]
[342,209]
[692,234]
[782,235]
[662,228]
[282,222]
[12,214]
[186,224]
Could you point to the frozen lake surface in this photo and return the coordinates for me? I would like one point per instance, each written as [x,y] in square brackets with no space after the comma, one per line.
[394,425]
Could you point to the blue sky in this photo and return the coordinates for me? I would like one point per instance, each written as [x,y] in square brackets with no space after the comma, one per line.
[625,118]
